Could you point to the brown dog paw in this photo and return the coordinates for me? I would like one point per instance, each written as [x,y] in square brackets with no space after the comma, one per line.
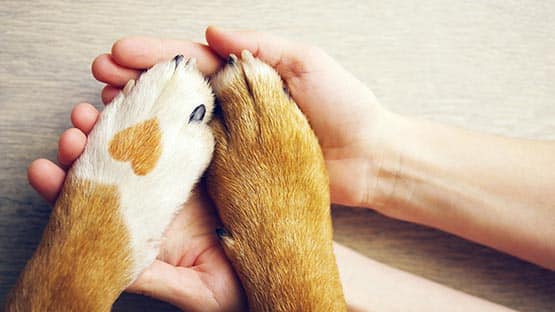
[269,182]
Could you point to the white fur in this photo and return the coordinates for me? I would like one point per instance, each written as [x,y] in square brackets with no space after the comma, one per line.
[149,202]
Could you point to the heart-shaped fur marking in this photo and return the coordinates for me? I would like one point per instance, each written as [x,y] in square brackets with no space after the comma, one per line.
[139,145]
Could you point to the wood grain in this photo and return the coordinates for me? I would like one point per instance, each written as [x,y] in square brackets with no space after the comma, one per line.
[486,66]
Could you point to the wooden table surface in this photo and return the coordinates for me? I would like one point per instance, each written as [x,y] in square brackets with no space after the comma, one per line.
[488,66]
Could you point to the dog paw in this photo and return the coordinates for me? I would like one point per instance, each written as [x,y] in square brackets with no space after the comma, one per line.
[263,144]
[151,145]
[269,183]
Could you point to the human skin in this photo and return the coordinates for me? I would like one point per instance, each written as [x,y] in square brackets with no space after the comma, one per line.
[493,190]
[400,166]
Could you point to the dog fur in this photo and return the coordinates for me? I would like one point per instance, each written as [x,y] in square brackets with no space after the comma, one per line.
[269,183]
[148,149]
[143,157]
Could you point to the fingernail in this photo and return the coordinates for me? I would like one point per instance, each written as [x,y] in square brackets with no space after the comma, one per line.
[218,29]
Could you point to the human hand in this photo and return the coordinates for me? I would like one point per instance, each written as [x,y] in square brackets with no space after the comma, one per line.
[191,270]
[343,112]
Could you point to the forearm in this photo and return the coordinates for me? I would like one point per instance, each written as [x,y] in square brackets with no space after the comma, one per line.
[489,189]
[370,285]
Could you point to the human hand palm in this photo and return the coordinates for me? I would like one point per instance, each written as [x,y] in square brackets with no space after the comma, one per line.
[192,271]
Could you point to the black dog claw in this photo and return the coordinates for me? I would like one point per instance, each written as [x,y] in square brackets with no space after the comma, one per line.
[220,232]
[178,59]
[232,59]
[198,113]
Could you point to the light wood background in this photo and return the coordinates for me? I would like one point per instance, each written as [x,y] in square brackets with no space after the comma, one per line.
[484,65]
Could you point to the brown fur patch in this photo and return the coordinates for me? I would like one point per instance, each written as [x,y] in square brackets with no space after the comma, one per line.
[80,262]
[269,183]
[140,145]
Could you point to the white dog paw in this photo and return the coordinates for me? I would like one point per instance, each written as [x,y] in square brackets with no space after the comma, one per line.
[153,143]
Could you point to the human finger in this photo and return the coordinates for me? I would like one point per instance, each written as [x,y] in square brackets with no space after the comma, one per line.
[144,52]
[109,93]
[70,146]
[287,57]
[84,116]
[105,69]
[46,178]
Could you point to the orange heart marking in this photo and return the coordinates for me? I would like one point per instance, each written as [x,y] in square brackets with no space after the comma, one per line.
[140,145]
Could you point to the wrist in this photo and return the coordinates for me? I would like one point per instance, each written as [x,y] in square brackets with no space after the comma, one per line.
[386,190]
[413,163]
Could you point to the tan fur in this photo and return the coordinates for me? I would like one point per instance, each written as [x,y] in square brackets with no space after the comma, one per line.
[269,182]
[83,242]
[139,144]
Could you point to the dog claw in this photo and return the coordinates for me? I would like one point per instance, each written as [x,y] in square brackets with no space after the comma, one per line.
[191,62]
[178,59]
[198,113]
[128,86]
[232,59]
[246,55]
[221,233]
